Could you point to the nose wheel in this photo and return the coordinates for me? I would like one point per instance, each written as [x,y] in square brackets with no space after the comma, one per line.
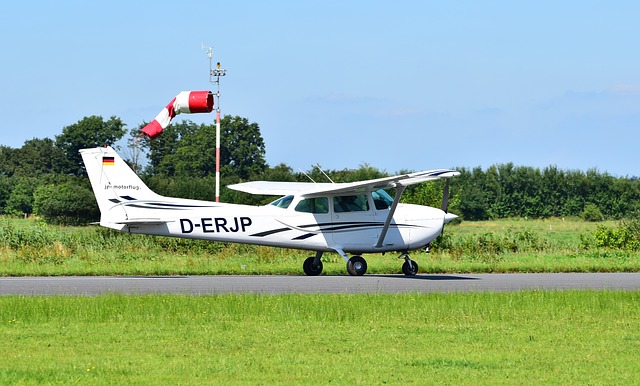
[312,266]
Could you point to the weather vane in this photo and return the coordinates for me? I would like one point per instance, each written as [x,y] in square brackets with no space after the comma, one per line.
[214,77]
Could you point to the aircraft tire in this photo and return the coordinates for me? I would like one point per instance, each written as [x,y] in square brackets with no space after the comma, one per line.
[310,269]
[357,266]
[410,270]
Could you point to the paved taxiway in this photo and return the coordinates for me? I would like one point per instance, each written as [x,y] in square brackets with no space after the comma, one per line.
[423,283]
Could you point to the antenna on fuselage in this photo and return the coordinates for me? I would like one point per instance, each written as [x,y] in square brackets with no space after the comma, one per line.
[308,176]
[325,174]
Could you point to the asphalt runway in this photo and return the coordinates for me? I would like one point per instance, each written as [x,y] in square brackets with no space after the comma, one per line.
[371,284]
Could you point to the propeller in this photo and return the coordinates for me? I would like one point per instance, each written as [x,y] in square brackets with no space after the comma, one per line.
[445,207]
[445,196]
[445,203]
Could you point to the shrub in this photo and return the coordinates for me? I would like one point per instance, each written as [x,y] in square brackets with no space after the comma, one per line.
[491,244]
[66,204]
[625,236]
[592,213]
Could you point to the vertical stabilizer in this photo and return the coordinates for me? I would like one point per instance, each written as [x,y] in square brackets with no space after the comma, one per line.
[113,182]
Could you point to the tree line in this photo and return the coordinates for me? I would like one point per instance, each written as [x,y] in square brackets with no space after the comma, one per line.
[46,176]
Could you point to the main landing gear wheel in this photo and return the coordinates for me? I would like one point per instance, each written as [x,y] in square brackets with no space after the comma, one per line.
[356,266]
[310,268]
[410,267]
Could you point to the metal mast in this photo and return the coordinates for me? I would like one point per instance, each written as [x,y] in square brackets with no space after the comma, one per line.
[214,77]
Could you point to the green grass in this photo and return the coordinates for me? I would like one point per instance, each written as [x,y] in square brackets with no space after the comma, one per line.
[559,230]
[30,247]
[573,337]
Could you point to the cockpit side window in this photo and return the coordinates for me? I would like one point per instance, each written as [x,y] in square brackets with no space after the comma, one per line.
[283,202]
[352,203]
[381,199]
[313,205]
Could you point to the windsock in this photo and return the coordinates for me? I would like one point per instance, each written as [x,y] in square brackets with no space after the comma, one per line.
[187,102]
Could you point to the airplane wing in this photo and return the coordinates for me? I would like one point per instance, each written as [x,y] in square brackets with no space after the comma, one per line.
[310,188]
[275,188]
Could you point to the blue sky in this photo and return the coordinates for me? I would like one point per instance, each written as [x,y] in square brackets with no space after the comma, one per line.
[397,85]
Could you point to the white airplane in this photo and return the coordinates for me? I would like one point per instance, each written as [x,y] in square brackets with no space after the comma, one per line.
[347,218]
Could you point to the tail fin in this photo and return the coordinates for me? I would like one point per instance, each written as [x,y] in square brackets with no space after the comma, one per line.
[113,182]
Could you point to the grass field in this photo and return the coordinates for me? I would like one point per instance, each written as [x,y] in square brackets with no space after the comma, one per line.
[571,337]
[575,337]
[30,247]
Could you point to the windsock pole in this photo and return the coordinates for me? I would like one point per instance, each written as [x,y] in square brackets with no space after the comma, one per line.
[218,153]
[214,77]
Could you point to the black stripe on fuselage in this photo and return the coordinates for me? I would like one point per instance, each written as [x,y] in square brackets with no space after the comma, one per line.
[165,206]
[271,232]
[329,227]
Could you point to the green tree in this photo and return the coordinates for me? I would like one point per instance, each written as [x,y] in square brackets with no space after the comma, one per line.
[242,150]
[196,153]
[6,184]
[553,191]
[8,160]
[90,131]
[428,193]
[474,205]
[280,172]
[187,149]
[162,150]
[470,188]
[39,156]
[198,188]
[576,193]
[20,199]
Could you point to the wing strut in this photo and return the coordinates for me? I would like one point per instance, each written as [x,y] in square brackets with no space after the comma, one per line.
[392,210]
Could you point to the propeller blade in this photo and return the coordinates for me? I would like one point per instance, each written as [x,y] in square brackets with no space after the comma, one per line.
[445,196]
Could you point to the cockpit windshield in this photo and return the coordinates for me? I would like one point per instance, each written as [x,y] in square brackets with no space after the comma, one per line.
[283,202]
[381,199]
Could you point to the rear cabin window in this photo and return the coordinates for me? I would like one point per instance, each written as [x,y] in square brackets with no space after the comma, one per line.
[352,203]
[313,205]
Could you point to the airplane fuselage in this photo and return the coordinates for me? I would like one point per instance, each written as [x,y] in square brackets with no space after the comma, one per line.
[414,226]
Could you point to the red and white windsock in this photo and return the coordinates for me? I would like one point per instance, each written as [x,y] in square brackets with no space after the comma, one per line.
[187,102]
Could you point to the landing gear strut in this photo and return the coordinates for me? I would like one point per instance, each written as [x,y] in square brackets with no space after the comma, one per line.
[410,267]
[356,266]
[312,266]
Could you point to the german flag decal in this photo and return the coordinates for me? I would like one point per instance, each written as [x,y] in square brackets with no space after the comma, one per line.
[108,161]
